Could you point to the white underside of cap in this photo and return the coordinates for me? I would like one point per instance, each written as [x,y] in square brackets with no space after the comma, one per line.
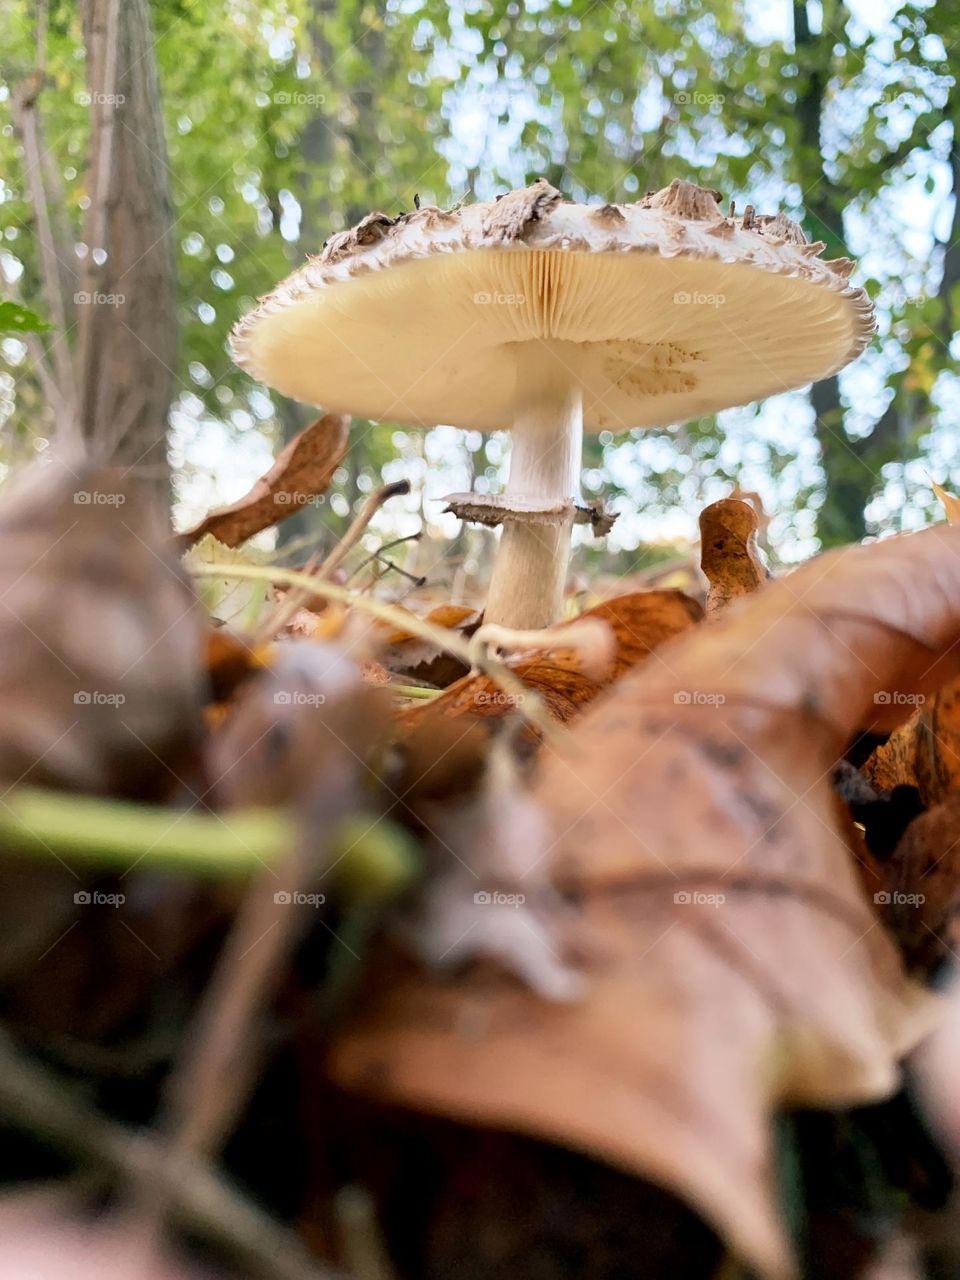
[651,340]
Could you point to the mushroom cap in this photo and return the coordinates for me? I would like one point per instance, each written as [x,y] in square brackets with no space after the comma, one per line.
[662,311]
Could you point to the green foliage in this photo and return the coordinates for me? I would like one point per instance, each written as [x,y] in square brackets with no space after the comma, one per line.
[17,319]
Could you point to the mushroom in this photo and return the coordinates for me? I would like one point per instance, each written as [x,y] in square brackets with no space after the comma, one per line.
[549,318]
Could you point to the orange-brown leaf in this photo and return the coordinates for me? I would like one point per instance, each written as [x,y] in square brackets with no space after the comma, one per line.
[640,623]
[729,556]
[736,962]
[925,751]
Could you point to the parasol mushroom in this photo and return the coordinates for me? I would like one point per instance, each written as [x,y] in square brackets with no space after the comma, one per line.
[549,318]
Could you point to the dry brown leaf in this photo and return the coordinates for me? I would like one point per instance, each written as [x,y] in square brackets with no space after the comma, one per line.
[921,887]
[729,555]
[640,623]
[893,763]
[451,616]
[230,660]
[737,962]
[411,656]
[325,624]
[925,751]
[302,470]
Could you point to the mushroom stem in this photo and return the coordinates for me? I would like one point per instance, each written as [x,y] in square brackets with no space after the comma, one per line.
[526,589]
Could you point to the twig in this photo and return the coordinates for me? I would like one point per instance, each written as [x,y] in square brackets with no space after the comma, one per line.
[388,565]
[387,546]
[297,599]
[220,1062]
[360,522]
[529,705]
[34,1099]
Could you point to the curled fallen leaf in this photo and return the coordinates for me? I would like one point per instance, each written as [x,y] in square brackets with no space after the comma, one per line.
[640,623]
[302,470]
[729,556]
[738,964]
[925,751]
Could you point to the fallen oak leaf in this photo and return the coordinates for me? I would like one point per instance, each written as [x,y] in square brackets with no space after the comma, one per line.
[640,623]
[303,470]
[729,555]
[698,834]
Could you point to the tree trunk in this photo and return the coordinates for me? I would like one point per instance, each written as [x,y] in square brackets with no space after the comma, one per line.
[127,345]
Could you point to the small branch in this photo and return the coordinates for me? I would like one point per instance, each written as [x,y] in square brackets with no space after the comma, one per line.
[389,566]
[359,524]
[297,599]
[218,1067]
[386,546]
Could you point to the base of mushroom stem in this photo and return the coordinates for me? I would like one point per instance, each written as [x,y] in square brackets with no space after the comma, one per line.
[530,574]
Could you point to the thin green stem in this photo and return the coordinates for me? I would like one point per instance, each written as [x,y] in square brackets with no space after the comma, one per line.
[373,856]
